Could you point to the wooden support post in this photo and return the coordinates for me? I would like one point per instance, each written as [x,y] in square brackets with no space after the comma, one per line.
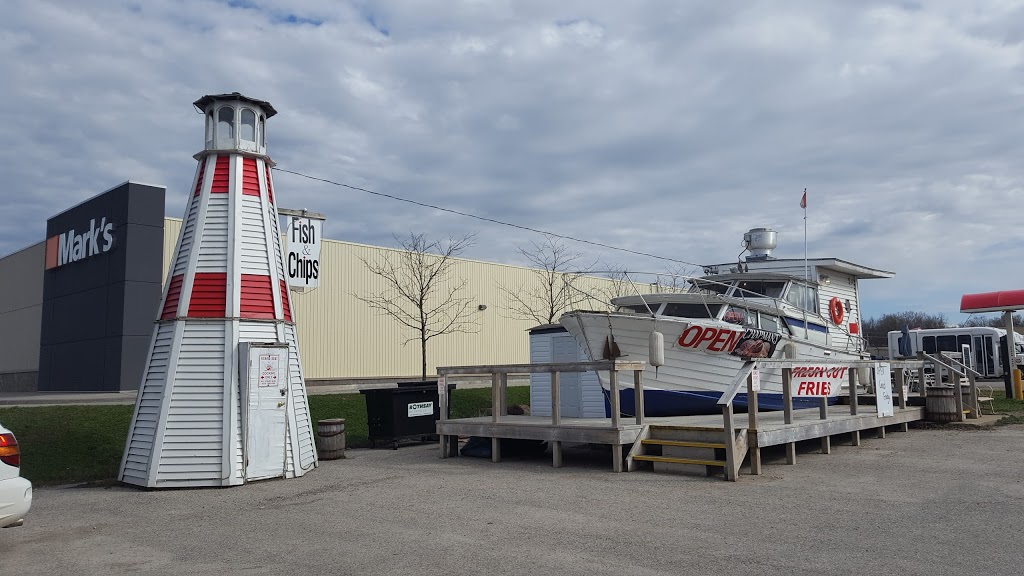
[730,443]
[504,394]
[958,395]
[753,449]
[855,435]
[901,381]
[787,406]
[881,431]
[922,388]
[853,390]
[495,400]
[556,419]
[616,457]
[826,441]
[973,397]
[442,401]
[613,391]
[495,415]
[638,394]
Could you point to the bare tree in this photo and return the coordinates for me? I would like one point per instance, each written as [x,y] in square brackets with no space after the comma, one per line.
[876,330]
[420,293]
[992,321]
[675,278]
[554,290]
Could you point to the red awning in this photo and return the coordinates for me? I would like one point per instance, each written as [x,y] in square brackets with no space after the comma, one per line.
[993,301]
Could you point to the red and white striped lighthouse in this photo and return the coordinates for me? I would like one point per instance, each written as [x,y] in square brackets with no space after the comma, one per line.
[223,399]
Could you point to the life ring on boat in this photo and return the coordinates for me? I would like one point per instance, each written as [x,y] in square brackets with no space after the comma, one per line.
[835,310]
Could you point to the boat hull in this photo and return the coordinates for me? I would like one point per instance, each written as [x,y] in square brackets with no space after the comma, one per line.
[691,380]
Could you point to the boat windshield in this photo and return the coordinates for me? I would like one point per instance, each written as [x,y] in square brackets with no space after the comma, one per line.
[709,287]
[759,289]
[641,308]
[694,310]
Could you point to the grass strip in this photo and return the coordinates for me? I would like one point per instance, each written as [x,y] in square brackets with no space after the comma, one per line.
[78,443]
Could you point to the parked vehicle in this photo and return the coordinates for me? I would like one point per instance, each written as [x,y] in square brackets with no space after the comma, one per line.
[986,354]
[15,491]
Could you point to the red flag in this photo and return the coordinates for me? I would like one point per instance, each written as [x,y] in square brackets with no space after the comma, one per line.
[803,200]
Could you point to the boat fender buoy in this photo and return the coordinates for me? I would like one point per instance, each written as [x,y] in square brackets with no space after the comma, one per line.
[835,310]
[657,349]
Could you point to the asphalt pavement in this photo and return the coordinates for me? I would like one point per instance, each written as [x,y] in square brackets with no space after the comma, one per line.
[931,501]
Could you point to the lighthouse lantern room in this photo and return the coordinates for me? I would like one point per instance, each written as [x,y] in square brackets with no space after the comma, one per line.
[223,399]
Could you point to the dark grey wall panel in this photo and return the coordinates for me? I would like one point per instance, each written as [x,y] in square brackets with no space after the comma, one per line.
[98,310]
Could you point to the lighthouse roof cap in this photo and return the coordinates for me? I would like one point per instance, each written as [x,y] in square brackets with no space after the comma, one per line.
[205,100]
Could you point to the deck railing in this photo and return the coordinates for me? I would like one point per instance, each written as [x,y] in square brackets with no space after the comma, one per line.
[499,394]
[745,376]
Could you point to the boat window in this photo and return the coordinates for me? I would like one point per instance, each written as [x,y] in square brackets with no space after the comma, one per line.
[770,323]
[706,287]
[690,310]
[737,315]
[928,344]
[804,297]
[759,289]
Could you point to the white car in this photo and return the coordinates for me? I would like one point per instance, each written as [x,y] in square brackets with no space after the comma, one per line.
[15,491]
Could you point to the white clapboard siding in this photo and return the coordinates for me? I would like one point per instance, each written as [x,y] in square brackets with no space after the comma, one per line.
[303,420]
[140,445]
[188,234]
[213,248]
[252,245]
[194,431]
[275,233]
[560,346]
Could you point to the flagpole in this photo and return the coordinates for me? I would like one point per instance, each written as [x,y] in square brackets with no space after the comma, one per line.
[807,270]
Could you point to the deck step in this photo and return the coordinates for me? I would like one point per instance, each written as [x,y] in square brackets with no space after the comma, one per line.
[684,443]
[670,460]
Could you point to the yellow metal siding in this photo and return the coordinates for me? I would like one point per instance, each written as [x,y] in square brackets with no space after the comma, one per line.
[341,337]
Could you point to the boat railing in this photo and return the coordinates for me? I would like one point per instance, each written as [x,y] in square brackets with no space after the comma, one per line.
[747,377]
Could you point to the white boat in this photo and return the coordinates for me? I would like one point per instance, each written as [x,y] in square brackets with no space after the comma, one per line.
[752,309]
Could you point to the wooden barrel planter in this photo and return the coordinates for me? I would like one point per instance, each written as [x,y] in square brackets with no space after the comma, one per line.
[330,438]
[940,405]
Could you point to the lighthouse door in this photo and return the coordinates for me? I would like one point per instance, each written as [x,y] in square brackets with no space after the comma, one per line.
[267,407]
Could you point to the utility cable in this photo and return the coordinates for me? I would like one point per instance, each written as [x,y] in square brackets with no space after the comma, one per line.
[484,218]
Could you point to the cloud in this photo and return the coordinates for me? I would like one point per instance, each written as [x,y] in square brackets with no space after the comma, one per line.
[664,128]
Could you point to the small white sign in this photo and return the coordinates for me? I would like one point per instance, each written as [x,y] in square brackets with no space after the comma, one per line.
[302,263]
[442,386]
[421,409]
[883,389]
[269,367]
[755,380]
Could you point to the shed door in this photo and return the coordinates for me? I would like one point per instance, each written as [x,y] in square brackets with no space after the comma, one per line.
[268,403]
[565,349]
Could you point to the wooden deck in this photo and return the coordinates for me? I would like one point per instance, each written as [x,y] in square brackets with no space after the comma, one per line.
[772,430]
[724,440]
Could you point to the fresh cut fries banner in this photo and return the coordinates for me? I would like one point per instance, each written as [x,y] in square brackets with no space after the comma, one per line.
[816,380]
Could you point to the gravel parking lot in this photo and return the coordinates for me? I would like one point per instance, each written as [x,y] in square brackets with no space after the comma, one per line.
[926,502]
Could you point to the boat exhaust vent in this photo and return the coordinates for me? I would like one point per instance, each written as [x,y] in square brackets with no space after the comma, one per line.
[760,242]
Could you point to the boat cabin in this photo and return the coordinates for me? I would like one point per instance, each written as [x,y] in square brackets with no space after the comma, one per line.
[772,295]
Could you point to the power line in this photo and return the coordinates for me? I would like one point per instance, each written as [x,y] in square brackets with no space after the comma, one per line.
[485,219]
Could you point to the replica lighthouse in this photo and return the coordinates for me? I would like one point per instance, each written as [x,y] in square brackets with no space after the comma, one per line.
[222,399]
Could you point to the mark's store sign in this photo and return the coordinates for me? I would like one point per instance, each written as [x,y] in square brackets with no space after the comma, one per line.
[72,246]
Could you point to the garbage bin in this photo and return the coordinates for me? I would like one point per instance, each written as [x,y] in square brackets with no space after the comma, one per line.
[406,411]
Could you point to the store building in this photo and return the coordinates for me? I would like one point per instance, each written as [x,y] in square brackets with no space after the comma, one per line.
[85,323]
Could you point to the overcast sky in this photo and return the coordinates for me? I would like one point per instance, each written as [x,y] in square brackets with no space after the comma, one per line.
[663,127]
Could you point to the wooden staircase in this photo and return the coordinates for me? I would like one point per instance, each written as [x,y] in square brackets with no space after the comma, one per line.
[689,450]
